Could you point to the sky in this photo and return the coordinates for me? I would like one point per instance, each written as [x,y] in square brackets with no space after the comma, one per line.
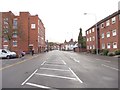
[63,18]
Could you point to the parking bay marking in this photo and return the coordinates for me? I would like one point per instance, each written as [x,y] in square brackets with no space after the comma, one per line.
[64,62]
[39,86]
[54,69]
[48,75]
[29,77]
[43,63]
[110,67]
[76,76]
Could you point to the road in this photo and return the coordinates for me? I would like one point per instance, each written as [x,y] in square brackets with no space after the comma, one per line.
[60,69]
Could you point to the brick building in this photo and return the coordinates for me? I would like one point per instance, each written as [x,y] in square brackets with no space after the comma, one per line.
[108,34]
[23,32]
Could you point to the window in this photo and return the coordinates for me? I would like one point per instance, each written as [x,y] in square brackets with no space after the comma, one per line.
[102,25]
[87,32]
[115,45]
[14,43]
[90,47]
[93,46]
[103,46]
[87,39]
[33,26]
[87,47]
[107,22]
[108,34]
[93,38]
[15,34]
[15,23]
[5,46]
[102,35]
[114,33]
[108,45]
[90,38]
[113,20]
[90,30]
[5,39]
[93,29]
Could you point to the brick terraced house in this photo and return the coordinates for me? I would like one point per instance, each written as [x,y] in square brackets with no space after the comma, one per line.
[108,32]
[23,32]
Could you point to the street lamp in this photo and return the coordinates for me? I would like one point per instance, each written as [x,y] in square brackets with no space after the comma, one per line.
[96,31]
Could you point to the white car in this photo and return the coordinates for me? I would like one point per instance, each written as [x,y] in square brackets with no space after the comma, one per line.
[4,53]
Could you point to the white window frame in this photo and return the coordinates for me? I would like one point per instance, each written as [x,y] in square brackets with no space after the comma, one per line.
[90,31]
[114,33]
[93,38]
[93,46]
[90,39]
[90,47]
[108,45]
[14,45]
[93,29]
[33,26]
[107,22]
[87,39]
[113,20]
[114,46]
[102,35]
[108,34]
[87,47]
[102,25]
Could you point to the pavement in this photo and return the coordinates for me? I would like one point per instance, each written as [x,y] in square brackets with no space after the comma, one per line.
[55,70]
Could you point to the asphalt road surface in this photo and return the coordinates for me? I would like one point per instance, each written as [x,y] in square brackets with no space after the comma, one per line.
[60,69]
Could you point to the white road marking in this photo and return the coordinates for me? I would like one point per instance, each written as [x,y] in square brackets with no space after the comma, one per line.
[53,64]
[56,76]
[43,63]
[75,60]
[110,67]
[76,76]
[54,69]
[102,60]
[29,77]
[64,62]
[39,86]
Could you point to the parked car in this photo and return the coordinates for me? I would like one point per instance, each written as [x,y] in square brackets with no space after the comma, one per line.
[4,53]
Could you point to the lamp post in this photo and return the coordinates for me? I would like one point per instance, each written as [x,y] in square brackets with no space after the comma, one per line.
[96,31]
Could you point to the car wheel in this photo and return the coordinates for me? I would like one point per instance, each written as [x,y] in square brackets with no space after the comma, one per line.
[8,57]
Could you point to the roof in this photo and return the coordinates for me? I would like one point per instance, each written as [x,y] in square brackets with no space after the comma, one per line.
[105,19]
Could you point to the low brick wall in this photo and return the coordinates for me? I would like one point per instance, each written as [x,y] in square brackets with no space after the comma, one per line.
[79,50]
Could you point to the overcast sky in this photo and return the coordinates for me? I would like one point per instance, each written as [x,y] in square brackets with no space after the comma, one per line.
[63,18]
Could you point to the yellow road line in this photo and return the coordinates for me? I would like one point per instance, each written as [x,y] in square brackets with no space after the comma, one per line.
[15,64]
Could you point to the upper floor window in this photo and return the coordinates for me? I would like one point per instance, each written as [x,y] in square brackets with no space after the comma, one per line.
[33,26]
[114,33]
[102,25]
[113,20]
[90,31]
[107,22]
[93,38]
[93,29]
[15,22]
[87,39]
[87,32]
[108,34]
[102,35]
[90,38]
